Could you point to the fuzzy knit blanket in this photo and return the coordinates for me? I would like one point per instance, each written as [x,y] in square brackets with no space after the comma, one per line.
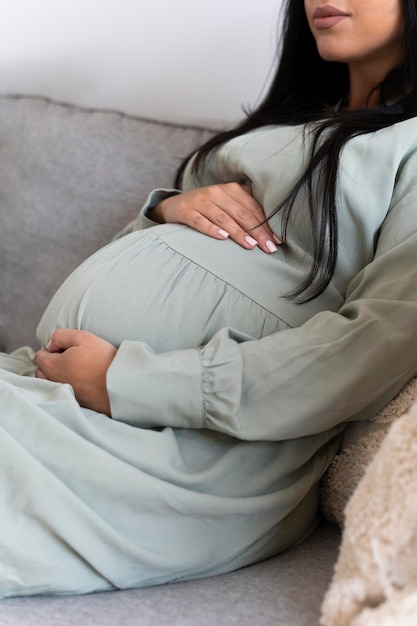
[371,491]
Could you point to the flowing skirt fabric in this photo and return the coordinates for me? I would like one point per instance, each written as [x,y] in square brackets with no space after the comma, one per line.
[88,503]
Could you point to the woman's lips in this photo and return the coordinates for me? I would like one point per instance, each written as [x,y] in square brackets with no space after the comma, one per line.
[327,17]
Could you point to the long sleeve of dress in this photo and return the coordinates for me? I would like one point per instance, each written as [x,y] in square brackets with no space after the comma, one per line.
[335,367]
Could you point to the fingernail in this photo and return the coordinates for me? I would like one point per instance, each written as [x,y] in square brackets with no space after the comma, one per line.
[223,233]
[271,246]
[251,241]
[277,239]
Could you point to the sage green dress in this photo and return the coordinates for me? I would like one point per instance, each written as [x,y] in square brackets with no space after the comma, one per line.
[228,400]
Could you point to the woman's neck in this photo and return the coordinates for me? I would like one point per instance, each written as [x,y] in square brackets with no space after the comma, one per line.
[364,80]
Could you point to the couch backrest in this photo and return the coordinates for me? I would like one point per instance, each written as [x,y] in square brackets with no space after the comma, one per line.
[70,178]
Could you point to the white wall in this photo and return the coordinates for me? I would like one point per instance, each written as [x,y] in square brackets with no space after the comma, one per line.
[184,60]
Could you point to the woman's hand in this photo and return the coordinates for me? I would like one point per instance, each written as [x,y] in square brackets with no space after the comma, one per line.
[220,211]
[81,359]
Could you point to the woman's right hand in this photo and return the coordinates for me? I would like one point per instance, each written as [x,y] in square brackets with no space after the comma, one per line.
[220,211]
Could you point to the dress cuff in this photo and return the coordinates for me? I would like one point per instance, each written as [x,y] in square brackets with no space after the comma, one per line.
[152,390]
[144,217]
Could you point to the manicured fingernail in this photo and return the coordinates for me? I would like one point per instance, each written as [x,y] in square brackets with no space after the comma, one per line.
[251,241]
[223,233]
[277,239]
[271,246]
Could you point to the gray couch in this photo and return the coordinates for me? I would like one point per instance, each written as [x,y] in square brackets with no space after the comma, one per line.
[69,179]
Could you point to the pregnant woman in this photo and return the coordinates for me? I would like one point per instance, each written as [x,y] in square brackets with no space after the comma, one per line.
[195,376]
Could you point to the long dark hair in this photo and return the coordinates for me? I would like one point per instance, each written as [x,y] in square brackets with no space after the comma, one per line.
[305,89]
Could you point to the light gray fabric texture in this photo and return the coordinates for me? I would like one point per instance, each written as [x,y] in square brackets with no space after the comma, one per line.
[69,179]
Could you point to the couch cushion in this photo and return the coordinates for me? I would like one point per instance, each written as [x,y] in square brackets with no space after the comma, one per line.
[70,178]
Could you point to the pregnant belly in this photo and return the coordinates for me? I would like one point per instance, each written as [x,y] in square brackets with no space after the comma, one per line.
[168,286]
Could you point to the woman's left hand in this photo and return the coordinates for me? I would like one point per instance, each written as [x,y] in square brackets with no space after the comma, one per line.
[80,359]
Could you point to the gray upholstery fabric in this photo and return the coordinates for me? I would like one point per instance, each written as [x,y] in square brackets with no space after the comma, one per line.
[69,179]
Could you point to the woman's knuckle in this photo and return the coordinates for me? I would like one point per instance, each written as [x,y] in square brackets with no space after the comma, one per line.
[196,219]
[221,217]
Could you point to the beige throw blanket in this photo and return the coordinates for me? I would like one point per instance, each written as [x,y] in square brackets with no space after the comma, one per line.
[375,579]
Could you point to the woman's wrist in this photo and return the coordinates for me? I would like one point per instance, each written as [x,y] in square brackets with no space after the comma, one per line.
[155,208]
[156,213]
